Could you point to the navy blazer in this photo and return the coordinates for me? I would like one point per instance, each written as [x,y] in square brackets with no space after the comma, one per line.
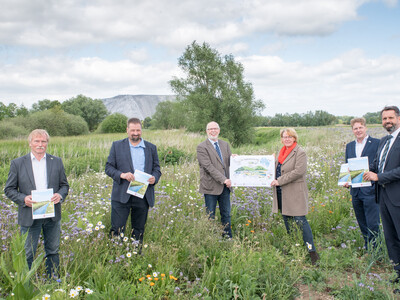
[390,178]
[370,149]
[120,161]
[21,182]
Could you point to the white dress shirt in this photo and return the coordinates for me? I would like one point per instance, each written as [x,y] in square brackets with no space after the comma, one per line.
[39,172]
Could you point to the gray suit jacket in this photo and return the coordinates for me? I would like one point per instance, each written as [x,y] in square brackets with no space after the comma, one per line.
[213,172]
[21,182]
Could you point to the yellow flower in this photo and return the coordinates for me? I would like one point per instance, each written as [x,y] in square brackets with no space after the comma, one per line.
[151,283]
[141,279]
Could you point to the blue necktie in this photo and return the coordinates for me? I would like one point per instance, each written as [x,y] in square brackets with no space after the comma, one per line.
[385,152]
[218,151]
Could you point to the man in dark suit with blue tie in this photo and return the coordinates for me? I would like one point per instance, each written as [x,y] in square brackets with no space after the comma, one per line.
[38,170]
[385,170]
[364,202]
[126,156]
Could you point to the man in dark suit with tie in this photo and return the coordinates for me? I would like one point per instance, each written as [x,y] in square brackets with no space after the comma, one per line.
[36,171]
[385,170]
[364,202]
[214,160]
[126,156]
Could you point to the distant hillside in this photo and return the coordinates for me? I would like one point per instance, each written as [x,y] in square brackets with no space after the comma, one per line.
[138,106]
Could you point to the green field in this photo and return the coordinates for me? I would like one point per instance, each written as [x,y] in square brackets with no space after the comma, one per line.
[184,255]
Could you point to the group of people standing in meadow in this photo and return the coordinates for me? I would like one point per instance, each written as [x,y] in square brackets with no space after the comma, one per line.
[39,170]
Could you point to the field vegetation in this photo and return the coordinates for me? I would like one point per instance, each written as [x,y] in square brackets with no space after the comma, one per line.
[185,256]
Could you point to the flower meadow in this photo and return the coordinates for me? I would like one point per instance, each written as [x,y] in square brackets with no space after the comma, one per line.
[184,255]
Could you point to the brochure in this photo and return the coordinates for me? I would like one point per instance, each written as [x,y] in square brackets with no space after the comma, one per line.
[357,168]
[138,186]
[344,175]
[44,207]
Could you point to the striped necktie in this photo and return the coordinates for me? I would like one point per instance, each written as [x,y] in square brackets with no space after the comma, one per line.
[384,154]
[218,151]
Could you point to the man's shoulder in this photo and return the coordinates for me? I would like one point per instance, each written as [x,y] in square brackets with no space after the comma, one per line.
[148,144]
[353,142]
[203,144]
[120,141]
[21,158]
[373,140]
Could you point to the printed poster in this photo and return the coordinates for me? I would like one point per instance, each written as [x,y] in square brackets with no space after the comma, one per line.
[252,170]
[138,187]
[344,175]
[44,207]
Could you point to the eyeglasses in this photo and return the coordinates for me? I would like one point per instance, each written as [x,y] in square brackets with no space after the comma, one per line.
[212,129]
[287,137]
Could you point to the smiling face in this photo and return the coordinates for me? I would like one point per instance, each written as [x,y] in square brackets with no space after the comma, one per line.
[390,121]
[134,131]
[360,131]
[287,140]
[213,131]
[38,145]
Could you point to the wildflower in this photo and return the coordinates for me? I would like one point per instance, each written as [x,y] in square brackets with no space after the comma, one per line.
[155,274]
[309,246]
[128,254]
[89,230]
[78,288]
[46,297]
[102,226]
[343,245]
[162,275]
[125,239]
[252,231]
[97,228]
[59,290]
[121,234]
[66,237]
[73,293]
[90,225]
[331,212]
[141,279]
[145,246]
[88,291]
[151,283]
[99,223]
[150,266]
[134,252]
[297,245]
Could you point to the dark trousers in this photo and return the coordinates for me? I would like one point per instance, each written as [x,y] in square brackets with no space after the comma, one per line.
[224,203]
[391,227]
[367,213]
[138,208]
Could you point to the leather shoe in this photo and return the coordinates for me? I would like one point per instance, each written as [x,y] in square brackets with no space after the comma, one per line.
[396,291]
[314,257]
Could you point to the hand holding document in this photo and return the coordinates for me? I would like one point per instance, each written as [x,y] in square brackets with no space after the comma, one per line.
[354,171]
[138,187]
[42,206]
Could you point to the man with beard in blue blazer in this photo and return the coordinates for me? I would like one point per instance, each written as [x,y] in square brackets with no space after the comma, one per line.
[126,156]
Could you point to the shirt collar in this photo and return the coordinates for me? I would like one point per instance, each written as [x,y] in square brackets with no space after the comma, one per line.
[34,158]
[364,140]
[213,142]
[141,144]
[395,133]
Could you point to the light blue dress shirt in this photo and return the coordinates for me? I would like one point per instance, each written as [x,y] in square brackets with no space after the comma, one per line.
[137,155]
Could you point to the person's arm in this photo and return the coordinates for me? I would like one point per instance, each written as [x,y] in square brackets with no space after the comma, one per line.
[63,185]
[11,188]
[204,161]
[156,171]
[299,170]
[111,165]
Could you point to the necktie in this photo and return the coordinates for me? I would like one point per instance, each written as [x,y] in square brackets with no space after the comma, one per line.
[384,154]
[218,151]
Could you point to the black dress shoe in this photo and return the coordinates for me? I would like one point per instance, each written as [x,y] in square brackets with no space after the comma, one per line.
[396,291]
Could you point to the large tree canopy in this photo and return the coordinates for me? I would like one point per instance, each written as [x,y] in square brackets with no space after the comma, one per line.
[214,90]
[92,111]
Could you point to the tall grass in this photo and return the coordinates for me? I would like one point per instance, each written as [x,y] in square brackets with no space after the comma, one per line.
[185,256]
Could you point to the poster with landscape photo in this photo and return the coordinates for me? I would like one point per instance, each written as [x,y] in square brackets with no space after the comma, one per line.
[252,170]
[43,207]
[344,175]
[139,186]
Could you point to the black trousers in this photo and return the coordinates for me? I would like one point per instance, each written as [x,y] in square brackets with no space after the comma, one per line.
[138,208]
[391,227]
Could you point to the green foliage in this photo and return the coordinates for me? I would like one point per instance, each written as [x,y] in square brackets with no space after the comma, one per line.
[170,114]
[10,130]
[92,111]
[172,155]
[115,123]
[267,135]
[214,90]
[373,117]
[317,118]
[45,104]
[55,121]
[147,122]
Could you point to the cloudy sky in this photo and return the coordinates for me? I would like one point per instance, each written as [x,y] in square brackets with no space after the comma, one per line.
[341,56]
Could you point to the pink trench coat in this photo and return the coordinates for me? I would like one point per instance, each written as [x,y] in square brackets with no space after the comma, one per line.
[293,184]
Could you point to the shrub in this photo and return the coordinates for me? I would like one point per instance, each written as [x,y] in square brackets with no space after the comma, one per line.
[10,130]
[114,123]
[171,155]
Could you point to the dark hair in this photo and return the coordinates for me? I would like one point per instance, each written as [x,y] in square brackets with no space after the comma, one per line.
[392,107]
[134,121]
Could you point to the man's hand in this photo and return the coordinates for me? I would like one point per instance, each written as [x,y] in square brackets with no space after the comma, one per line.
[28,201]
[346,185]
[56,198]
[152,180]
[127,176]
[228,183]
[371,176]
[274,183]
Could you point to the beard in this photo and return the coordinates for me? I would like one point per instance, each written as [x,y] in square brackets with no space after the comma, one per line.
[391,128]
[135,138]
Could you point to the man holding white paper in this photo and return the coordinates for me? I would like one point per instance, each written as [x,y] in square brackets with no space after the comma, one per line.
[33,172]
[126,156]
[363,198]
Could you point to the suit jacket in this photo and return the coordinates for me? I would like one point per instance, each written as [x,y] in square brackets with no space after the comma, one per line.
[213,172]
[120,161]
[293,184]
[370,149]
[390,178]
[21,182]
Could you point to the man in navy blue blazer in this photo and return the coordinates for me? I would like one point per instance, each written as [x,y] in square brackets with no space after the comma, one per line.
[385,170]
[364,202]
[126,156]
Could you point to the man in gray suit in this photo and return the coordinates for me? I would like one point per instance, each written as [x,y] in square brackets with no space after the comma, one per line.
[36,171]
[214,160]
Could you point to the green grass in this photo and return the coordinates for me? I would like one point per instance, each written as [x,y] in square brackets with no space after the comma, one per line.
[184,255]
